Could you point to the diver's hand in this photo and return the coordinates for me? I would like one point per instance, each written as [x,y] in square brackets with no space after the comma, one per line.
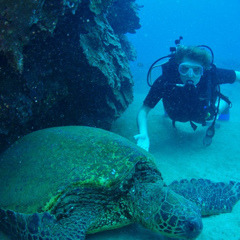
[142,141]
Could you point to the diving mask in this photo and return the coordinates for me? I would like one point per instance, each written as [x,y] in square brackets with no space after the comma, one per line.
[195,70]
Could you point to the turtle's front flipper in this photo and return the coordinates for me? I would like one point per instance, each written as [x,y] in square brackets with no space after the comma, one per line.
[211,197]
[44,226]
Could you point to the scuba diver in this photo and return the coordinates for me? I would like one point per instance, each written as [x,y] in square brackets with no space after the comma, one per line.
[189,88]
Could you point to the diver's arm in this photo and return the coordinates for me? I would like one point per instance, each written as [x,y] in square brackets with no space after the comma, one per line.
[237,76]
[142,138]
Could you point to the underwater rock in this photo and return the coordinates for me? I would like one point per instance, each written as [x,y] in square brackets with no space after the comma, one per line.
[123,16]
[64,63]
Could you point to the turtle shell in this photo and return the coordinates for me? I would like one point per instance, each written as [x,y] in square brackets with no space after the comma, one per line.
[37,169]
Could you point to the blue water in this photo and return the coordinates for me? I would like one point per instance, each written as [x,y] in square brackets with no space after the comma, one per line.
[211,22]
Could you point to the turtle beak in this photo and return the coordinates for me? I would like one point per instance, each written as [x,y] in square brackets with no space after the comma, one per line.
[192,228]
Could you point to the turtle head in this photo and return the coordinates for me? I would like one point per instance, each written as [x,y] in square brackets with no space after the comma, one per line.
[161,210]
[177,217]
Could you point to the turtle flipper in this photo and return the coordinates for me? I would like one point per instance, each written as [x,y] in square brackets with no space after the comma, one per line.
[25,226]
[211,197]
[44,226]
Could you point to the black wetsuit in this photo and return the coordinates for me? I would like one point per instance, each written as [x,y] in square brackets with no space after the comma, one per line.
[194,104]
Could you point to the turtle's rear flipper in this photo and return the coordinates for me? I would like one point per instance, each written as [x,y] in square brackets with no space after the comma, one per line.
[45,226]
[211,197]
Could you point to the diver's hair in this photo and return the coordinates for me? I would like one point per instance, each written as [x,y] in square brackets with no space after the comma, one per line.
[196,53]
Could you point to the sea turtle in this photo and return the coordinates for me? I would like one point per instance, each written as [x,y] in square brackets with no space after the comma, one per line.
[65,182]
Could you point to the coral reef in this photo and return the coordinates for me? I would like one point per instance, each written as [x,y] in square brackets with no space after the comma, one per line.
[64,63]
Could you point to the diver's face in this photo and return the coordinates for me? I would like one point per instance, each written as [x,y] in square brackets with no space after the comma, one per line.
[190,71]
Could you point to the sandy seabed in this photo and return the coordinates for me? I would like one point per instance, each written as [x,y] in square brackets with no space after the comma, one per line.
[180,154]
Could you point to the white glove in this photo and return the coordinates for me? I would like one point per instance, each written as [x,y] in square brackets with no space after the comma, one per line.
[142,141]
